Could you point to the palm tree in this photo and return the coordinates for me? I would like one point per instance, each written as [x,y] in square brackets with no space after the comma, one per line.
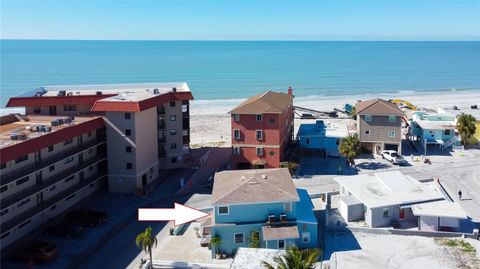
[350,148]
[294,258]
[466,127]
[146,241]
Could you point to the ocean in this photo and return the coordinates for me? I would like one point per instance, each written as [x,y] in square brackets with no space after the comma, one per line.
[238,69]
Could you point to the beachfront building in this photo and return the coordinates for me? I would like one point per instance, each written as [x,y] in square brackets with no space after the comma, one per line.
[262,130]
[436,128]
[322,138]
[389,199]
[262,204]
[379,125]
[73,140]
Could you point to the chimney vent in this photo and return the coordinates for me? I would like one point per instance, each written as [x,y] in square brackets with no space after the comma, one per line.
[290,91]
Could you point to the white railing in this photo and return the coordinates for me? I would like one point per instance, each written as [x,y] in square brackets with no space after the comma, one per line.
[450,142]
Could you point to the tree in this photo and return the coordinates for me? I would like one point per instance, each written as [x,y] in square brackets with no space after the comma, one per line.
[350,148]
[354,113]
[254,239]
[146,241]
[294,258]
[215,242]
[466,127]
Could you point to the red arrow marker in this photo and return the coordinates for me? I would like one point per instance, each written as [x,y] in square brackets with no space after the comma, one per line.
[180,214]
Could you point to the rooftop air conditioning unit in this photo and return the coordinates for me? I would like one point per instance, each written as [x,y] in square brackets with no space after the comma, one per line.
[99,93]
[70,93]
[174,89]
[62,93]
[38,94]
[14,136]
[22,136]
[54,123]
[156,91]
[283,217]
[271,218]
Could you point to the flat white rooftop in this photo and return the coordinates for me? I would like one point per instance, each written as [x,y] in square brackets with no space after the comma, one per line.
[442,208]
[125,92]
[388,188]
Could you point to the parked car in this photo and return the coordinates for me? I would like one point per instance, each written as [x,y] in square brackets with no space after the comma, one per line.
[65,229]
[87,216]
[393,157]
[40,251]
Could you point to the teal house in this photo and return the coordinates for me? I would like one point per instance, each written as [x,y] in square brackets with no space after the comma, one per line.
[434,128]
[322,137]
[261,208]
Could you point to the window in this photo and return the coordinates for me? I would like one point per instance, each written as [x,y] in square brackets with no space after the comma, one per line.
[70,178]
[173,117]
[281,244]
[51,148]
[68,141]
[51,168]
[127,115]
[21,159]
[306,237]
[337,141]
[129,166]
[368,117]
[259,117]
[238,237]
[385,213]
[69,159]
[173,132]
[236,150]
[307,141]
[23,202]
[173,159]
[5,211]
[23,180]
[391,133]
[128,132]
[236,117]
[173,103]
[37,110]
[287,207]
[392,118]
[367,132]
[447,132]
[259,151]
[69,108]
[259,134]
[236,134]
[223,210]
[128,149]
[173,146]
[4,188]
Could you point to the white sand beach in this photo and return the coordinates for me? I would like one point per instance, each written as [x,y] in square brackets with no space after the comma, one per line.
[210,123]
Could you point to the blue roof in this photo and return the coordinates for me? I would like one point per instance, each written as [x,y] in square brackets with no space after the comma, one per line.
[305,208]
[317,129]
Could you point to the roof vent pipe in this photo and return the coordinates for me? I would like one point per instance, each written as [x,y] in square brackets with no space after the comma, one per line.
[264,176]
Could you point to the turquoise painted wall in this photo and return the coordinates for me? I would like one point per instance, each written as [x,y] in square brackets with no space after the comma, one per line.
[253,213]
[328,143]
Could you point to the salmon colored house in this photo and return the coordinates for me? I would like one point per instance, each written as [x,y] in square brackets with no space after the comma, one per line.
[262,130]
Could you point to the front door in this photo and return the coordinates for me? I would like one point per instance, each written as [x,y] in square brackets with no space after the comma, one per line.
[52,110]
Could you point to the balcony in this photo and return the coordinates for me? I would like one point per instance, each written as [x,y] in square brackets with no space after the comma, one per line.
[26,170]
[18,196]
[46,204]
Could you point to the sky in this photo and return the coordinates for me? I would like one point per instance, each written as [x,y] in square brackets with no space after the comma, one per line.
[241,20]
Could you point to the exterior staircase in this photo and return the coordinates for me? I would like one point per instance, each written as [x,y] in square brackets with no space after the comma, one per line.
[450,142]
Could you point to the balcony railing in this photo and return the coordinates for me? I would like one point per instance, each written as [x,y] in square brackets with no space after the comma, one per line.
[26,170]
[5,226]
[18,196]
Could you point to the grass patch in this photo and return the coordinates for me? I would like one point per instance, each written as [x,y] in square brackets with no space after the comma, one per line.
[461,244]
